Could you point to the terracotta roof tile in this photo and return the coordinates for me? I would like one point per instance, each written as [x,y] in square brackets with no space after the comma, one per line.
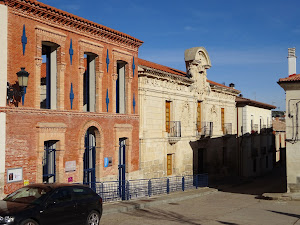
[167,69]
[73,17]
[153,65]
[291,78]
[246,101]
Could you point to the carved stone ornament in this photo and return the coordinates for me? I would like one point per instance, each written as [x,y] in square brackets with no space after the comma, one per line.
[197,61]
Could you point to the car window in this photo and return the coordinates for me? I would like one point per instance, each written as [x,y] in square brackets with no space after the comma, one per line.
[82,193]
[61,195]
[28,194]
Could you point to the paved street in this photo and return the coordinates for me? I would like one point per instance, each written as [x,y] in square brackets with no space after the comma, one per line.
[237,205]
[217,208]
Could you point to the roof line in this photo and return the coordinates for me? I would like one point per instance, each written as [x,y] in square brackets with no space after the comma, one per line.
[58,15]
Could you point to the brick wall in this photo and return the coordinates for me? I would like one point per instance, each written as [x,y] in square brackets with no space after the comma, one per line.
[28,126]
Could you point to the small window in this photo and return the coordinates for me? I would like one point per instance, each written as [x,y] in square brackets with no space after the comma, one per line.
[82,193]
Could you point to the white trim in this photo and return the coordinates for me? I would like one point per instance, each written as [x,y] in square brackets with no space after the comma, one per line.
[3,54]
[3,82]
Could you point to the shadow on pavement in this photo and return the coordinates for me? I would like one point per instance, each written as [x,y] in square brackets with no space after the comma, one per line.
[287,214]
[227,223]
[273,182]
[160,215]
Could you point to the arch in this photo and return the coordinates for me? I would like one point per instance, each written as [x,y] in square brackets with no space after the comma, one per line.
[99,139]
[45,35]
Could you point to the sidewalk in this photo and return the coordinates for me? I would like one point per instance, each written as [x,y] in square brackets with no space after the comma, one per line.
[125,206]
[282,196]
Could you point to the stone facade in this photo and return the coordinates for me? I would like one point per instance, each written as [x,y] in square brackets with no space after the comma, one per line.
[291,85]
[32,31]
[187,92]
[210,139]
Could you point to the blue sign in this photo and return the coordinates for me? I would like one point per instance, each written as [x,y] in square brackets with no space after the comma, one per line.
[106,162]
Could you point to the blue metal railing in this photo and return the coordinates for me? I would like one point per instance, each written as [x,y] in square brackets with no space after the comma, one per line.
[135,189]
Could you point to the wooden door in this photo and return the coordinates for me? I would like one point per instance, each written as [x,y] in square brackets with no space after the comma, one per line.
[223,120]
[168,104]
[199,117]
[169,164]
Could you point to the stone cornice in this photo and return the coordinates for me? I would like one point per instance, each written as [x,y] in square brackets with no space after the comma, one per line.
[224,90]
[64,113]
[158,74]
[42,11]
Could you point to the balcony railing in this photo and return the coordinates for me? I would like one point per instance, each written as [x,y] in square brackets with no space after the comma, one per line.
[206,129]
[175,131]
[227,128]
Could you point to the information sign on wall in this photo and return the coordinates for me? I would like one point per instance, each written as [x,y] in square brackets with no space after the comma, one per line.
[14,175]
[70,166]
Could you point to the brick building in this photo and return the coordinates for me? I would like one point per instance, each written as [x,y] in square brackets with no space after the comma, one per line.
[76,121]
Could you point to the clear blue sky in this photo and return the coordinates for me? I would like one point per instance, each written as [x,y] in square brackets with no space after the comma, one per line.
[247,40]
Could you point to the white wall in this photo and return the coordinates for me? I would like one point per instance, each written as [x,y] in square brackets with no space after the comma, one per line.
[293,140]
[256,113]
[3,81]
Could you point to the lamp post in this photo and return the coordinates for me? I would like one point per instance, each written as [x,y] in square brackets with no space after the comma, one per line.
[23,79]
[12,92]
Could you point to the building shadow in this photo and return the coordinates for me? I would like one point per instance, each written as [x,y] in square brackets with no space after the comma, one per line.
[163,215]
[245,165]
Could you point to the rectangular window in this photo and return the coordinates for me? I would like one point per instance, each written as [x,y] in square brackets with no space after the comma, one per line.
[168,114]
[120,88]
[223,120]
[169,164]
[199,117]
[89,83]
[48,82]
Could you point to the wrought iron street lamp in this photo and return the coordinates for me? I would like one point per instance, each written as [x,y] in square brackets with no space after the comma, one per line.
[12,92]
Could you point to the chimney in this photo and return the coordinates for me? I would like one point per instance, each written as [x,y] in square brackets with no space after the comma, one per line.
[232,85]
[292,60]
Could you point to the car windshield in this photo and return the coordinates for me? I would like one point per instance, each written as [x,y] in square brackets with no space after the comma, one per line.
[31,195]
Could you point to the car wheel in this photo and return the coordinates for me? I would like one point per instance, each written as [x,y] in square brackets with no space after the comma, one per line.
[93,218]
[29,222]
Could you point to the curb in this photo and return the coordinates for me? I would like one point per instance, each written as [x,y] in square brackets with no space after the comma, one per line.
[126,206]
[282,196]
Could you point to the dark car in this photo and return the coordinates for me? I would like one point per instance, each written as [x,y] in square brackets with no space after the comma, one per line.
[51,204]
